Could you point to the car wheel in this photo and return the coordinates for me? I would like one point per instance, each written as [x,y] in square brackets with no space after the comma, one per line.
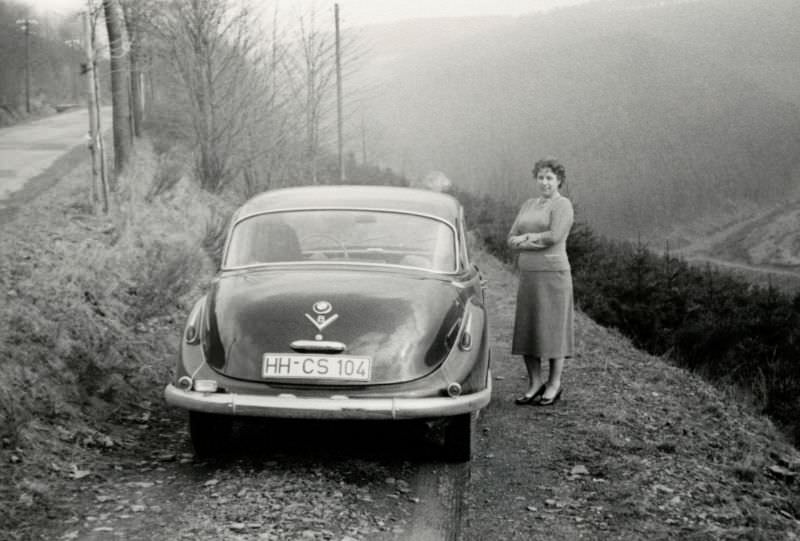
[210,432]
[458,438]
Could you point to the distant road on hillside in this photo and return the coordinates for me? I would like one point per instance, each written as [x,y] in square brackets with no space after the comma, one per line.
[27,150]
[744,267]
[764,232]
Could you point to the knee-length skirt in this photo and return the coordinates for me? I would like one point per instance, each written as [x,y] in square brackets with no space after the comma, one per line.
[544,321]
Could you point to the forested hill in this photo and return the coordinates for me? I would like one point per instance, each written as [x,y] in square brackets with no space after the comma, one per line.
[661,110]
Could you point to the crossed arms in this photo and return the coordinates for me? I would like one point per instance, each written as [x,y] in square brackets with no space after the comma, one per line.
[561,219]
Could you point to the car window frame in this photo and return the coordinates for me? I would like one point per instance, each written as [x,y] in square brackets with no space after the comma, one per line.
[457,254]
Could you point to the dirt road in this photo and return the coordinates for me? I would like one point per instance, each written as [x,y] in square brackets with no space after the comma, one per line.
[285,480]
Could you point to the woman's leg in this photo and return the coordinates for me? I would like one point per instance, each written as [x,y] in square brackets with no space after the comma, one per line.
[554,378]
[534,368]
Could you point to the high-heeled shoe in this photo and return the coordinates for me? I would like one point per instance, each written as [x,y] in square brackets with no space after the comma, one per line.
[530,399]
[549,401]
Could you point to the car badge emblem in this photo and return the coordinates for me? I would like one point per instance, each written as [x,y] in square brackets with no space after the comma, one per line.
[322,309]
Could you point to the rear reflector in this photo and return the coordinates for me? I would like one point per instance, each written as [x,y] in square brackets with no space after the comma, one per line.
[454,390]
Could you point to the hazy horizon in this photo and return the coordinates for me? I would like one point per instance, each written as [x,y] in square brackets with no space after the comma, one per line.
[369,12]
[662,111]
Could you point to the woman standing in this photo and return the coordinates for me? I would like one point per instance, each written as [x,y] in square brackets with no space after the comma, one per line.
[543,326]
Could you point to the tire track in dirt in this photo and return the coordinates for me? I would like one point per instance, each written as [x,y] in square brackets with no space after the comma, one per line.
[440,489]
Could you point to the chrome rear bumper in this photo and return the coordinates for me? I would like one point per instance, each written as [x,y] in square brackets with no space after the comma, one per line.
[291,406]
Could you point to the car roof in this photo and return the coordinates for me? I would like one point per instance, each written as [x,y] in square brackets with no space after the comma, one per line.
[396,198]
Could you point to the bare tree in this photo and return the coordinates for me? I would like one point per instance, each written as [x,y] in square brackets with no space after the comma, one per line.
[220,64]
[96,143]
[311,70]
[136,13]
[120,85]
[40,55]
[12,57]
[255,106]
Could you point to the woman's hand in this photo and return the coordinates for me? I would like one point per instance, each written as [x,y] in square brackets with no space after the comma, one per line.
[515,240]
[533,241]
[526,241]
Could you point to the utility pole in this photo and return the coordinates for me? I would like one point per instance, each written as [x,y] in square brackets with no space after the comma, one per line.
[363,141]
[76,45]
[342,176]
[26,24]
[28,66]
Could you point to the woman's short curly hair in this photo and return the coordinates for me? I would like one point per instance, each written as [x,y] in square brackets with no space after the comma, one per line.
[552,164]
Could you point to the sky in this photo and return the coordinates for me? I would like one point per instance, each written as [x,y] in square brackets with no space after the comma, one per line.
[362,12]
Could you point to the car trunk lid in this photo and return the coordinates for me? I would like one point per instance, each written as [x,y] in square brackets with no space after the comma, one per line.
[401,323]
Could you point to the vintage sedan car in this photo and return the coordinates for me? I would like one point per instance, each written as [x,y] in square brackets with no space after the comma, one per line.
[339,302]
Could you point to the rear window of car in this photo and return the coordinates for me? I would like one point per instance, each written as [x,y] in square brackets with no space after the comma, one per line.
[349,236]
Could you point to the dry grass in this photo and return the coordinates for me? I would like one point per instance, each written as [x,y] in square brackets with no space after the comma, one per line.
[90,308]
[216,229]
[169,171]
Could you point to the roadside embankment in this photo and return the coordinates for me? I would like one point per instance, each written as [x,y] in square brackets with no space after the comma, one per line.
[89,312]
[636,449]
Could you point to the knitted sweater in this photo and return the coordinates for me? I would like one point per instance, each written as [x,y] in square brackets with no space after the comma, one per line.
[551,219]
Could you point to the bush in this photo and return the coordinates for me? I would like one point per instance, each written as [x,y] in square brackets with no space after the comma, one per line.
[165,273]
[166,129]
[490,219]
[167,174]
[213,241]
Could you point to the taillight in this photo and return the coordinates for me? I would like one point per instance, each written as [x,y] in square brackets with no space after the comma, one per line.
[465,344]
[193,325]
[452,334]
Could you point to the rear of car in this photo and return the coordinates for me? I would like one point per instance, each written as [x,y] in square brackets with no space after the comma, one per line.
[339,303]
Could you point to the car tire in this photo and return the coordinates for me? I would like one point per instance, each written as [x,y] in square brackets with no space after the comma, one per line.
[209,432]
[458,438]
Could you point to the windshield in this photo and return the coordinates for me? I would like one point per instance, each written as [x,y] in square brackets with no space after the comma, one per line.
[356,236]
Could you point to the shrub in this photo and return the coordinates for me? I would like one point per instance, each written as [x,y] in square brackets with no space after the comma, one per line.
[167,174]
[166,129]
[213,241]
[14,413]
[165,273]
[490,219]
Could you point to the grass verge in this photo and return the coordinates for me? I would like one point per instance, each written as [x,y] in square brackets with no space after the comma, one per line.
[91,308]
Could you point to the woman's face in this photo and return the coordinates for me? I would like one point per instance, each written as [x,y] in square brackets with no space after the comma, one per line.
[547,182]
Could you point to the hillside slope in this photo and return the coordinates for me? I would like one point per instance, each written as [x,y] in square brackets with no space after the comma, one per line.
[635,449]
[661,113]
[760,244]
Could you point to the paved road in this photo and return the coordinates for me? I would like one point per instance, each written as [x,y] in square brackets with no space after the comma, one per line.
[27,150]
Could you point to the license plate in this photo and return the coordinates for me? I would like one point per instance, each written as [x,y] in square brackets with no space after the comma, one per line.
[289,365]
